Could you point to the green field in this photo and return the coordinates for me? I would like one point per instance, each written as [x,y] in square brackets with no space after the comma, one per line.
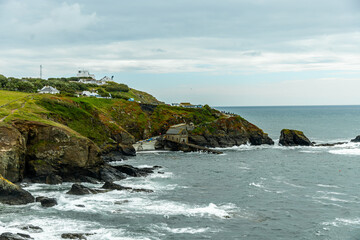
[10,96]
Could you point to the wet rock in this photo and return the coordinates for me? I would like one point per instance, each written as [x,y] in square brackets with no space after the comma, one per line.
[12,194]
[48,202]
[114,156]
[127,150]
[328,144]
[114,186]
[357,139]
[13,236]
[78,189]
[12,154]
[134,171]
[32,228]
[75,235]
[53,179]
[111,174]
[80,205]
[293,138]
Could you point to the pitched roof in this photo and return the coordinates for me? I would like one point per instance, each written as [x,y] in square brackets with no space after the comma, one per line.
[176,131]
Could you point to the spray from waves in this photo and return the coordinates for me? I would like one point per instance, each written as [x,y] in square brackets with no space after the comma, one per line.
[343,222]
[164,228]
[170,208]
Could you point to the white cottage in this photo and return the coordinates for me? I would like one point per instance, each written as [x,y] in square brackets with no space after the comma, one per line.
[49,89]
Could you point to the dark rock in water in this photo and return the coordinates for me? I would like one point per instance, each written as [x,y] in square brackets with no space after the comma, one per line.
[80,205]
[113,156]
[127,150]
[13,236]
[141,190]
[12,194]
[75,235]
[134,171]
[32,228]
[293,138]
[328,144]
[78,189]
[53,179]
[111,174]
[48,202]
[39,199]
[357,139]
[88,179]
[114,186]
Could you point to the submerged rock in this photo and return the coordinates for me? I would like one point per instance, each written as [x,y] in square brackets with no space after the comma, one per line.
[111,174]
[75,235]
[114,186]
[13,236]
[32,228]
[48,202]
[293,138]
[134,171]
[78,189]
[357,139]
[12,194]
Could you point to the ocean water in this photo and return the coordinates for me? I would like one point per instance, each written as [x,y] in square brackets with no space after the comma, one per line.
[249,192]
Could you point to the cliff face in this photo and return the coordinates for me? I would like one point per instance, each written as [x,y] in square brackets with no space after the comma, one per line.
[36,151]
[227,132]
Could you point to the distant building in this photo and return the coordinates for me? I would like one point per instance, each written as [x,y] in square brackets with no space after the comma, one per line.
[90,94]
[92,81]
[186,105]
[49,89]
[179,133]
[85,74]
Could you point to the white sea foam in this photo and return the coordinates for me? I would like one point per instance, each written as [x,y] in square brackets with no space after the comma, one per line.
[163,227]
[351,151]
[170,208]
[327,186]
[342,222]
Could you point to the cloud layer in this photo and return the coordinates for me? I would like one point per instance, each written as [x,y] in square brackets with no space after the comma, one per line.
[243,40]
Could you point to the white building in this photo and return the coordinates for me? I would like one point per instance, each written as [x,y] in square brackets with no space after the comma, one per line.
[85,74]
[49,89]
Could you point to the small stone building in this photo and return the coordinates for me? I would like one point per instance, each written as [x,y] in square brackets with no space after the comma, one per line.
[179,133]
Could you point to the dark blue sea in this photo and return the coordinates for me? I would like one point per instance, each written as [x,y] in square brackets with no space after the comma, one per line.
[249,192]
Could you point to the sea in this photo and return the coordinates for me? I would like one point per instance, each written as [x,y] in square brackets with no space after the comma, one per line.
[248,192]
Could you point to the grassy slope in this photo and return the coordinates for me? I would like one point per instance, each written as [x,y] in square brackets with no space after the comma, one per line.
[101,120]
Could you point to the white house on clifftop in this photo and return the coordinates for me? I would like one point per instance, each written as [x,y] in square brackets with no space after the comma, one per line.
[49,89]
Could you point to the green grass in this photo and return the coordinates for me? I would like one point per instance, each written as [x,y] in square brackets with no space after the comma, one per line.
[9,96]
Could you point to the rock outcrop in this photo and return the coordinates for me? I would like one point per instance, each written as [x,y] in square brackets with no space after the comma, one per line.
[13,236]
[12,194]
[46,153]
[12,154]
[293,138]
[357,139]
[78,189]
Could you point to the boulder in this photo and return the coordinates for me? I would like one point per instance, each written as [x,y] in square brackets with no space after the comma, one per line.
[75,235]
[13,236]
[32,228]
[357,139]
[127,150]
[78,189]
[111,174]
[48,202]
[293,138]
[114,186]
[12,194]
[134,171]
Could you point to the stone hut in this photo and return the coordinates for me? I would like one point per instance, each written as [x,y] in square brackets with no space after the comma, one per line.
[178,133]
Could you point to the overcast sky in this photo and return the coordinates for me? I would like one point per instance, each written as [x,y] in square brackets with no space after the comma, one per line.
[229,52]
